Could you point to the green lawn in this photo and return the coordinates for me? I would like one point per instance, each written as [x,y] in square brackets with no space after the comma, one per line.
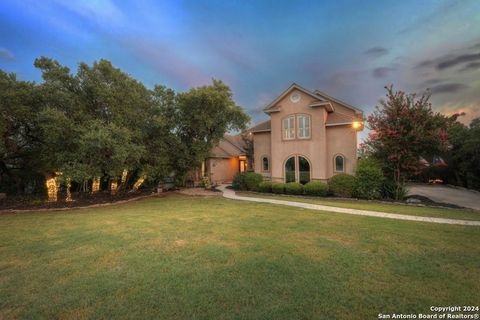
[464,214]
[185,257]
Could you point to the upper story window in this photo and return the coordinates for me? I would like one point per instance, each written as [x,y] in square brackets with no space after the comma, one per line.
[339,163]
[289,127]
[303,121]
[265,164]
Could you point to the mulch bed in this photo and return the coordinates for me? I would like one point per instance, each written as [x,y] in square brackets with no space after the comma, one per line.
[34,203]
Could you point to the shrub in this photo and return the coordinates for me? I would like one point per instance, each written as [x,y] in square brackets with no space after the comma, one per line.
[388,190]
[293,188]
[265,186]
[278,187]
[238,182]
[316,188]
[369,179]
[252,180]
[342,185]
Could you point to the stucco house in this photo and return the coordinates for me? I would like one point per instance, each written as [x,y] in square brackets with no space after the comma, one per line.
[309,136]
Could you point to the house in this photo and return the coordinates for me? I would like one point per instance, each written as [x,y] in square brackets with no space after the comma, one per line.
[309,136]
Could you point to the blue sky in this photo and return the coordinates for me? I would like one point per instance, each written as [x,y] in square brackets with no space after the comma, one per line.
[348,49]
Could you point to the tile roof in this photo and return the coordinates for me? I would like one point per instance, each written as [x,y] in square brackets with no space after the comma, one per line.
[261,127]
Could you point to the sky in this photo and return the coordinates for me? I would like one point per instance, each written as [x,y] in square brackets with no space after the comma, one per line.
[348,49]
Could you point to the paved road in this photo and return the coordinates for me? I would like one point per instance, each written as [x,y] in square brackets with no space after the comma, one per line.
[230,194]
[445,194]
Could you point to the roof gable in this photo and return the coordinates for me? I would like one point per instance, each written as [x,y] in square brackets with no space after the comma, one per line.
[327,97]
[271,107]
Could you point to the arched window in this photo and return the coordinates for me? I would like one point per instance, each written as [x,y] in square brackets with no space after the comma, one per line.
[265,164]
[290,170]
[297,169]
[289,127]
[339,163]
[303,121]
[303,170]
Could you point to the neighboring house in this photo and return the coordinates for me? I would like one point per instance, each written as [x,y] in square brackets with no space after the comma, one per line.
[310,136]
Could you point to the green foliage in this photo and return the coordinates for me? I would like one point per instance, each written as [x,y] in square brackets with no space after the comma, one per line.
[342,185]
[100,121]
[389,190]
[404,128]
[278,187]
[369,179]
[463,156]
[293,188]
[252,180]
[265,186]
[238,182]
[316,188]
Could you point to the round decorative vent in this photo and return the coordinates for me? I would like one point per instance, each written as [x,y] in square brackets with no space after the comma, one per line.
[295,97]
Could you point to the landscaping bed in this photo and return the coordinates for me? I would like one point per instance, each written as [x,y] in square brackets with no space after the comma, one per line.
[80,199]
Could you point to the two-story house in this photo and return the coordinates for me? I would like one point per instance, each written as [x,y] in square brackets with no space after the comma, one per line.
[310,136]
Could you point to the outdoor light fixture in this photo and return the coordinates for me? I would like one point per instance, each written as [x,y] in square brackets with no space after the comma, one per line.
[356,125]
[96,184]
[113,187]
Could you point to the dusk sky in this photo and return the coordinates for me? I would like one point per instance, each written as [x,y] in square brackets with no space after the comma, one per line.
[348,49]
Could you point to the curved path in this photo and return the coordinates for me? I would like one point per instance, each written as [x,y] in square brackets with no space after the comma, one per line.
[230,194]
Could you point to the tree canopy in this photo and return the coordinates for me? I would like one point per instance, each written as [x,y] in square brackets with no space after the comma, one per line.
[100,121]
[403,129]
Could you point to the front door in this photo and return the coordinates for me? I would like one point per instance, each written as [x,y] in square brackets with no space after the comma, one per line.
[243,165]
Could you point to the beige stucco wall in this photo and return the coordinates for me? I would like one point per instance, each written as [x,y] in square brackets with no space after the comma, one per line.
[314,149]
[341,140]
[261,148]
[320,149]
[222,170]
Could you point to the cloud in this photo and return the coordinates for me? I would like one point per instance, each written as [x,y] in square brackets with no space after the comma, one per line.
[448,88]
[450,60]
[6,54]
[471,66]
[458,60]
[381,72]
[376,52]
[168,61]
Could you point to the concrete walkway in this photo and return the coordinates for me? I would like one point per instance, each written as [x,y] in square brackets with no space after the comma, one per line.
[230,194]
[445,194]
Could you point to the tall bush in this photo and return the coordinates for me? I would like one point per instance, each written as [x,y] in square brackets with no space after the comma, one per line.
[252,180]
[238,182]
[369,180]
[342,185]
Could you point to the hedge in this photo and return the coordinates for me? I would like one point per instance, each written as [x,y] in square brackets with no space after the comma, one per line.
[238,182]
[252,180]
[265,186]
[342,185]
[369,179]
[316,188]
[293,188]
[278,187]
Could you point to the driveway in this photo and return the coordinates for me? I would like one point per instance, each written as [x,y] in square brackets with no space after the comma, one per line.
[445,194]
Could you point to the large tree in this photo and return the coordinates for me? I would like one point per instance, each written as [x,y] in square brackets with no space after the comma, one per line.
[99,121]
[403,129]
[201,117]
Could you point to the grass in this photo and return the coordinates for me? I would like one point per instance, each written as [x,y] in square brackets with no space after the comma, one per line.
[464,214]
[185,257]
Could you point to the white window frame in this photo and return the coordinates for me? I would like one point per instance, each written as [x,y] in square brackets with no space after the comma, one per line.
[288,127]
[303,126]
